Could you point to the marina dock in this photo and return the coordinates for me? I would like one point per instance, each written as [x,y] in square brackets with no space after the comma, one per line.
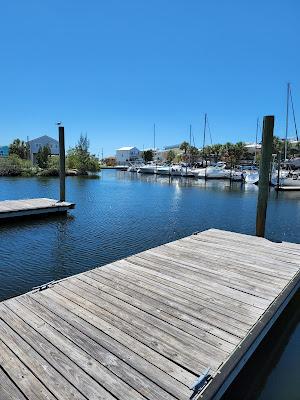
[173,322]
[32,207]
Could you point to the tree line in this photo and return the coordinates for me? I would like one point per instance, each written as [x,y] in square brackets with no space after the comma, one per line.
[78,158]
[231,153]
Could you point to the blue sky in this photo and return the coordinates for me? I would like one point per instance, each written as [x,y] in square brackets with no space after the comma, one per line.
[113,68]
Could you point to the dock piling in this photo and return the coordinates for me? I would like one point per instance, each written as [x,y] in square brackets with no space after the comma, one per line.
[62,163]
[264,171]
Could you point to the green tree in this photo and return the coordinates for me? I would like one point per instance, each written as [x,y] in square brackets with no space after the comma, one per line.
[206,154]
[185,147]
[229,153]
[216,151]
[81,159]
[239,152]
[278,145]
[194,153]
[42,157]
[171,156]
[178,158]
[20,148]
[148,155]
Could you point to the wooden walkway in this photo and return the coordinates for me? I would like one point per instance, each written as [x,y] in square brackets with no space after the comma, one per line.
[147,326]
[30,207]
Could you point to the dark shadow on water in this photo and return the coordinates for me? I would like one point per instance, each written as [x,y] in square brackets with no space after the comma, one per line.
[266,357]
[32,220]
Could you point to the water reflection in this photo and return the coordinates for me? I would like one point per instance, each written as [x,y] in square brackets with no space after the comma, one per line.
[218,184]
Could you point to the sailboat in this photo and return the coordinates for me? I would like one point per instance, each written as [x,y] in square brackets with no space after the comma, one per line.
[150,167]
[201,172]
[285,179]
[186,169]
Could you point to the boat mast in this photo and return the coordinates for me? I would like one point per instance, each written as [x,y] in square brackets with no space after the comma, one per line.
[294,117]
[204,133]
[154,144]
[190,144]
[255,151]
[287,120]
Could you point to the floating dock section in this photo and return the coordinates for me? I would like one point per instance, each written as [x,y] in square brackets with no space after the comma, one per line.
[175,322]
[32,207]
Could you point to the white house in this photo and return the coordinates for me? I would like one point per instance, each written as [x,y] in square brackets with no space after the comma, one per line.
[250,147]
[125,155]
[36,144]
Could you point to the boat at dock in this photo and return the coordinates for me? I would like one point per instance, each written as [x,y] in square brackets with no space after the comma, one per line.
[164,170]
[187,172]
[134,167]
[287,179]
[215,172]
[197,171]
[238,175]
[148,169]
[176,170]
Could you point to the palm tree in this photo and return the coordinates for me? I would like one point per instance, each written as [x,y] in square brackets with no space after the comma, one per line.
[229,152]
[170,156]
[206,153]
[278,145]
[216,151]
[194,152]
[184,146]
[239,151]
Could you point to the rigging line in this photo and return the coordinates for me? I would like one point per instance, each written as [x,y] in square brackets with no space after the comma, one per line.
[294,117]
[209,131]
[204,131]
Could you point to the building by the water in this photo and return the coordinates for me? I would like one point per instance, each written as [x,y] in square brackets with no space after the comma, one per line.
[40,142]
[4,151]
[127,155]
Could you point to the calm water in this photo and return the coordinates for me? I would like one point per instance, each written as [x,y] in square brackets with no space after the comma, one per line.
[120,214]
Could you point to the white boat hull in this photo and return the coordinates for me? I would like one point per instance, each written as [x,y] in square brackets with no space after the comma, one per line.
[147,170]
[214,173]
[176,172]
[252,178]
[163,171]
[187,172]
[286,181]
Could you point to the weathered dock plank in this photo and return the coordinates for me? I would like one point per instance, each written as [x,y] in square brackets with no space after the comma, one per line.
[32,207]
[145,327]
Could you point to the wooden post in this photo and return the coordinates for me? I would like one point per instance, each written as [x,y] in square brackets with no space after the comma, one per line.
[62,163]
[264,170]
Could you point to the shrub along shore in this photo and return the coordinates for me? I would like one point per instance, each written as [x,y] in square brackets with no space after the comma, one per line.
[79,161]
[15,166]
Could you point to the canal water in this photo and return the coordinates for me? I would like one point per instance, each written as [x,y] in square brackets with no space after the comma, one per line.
[118,214]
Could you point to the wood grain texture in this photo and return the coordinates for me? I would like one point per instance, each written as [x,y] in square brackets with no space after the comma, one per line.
[143,327]
[8,390]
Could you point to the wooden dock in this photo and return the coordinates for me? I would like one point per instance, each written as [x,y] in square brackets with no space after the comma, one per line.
[32,207]
[147,326]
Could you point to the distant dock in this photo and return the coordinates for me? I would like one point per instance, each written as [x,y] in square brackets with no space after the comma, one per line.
[187,314]
[32,207]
